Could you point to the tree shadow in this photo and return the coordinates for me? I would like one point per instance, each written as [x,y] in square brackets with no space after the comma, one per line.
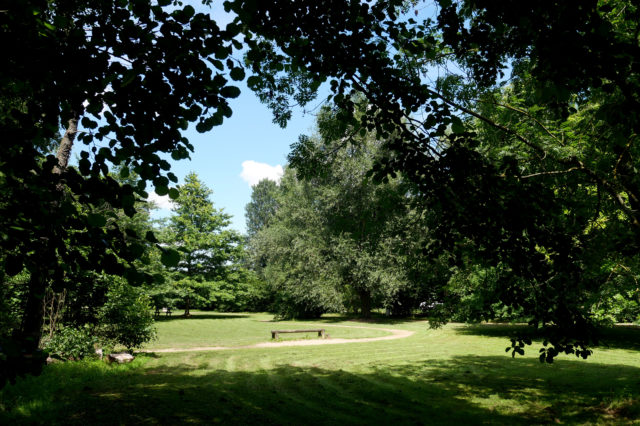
[200,315]
[462,390]
[374,319]
[615,337]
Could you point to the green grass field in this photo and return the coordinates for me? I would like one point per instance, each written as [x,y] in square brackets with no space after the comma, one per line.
[454,375]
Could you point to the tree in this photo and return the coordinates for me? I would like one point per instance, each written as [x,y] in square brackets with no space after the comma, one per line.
[262,207]
[292,256]
[124,78]
[337,234]
[506,210]
[197,229]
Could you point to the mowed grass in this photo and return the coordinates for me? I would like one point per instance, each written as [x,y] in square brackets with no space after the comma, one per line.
[454,375]
[206,329]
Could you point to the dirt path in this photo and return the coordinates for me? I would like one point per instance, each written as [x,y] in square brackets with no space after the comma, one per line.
[395,334]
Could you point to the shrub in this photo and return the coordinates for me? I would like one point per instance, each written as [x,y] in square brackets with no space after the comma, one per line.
[126,318]
[72,343]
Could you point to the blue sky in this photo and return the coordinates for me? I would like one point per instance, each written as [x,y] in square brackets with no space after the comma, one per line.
[248,136]
[248,146]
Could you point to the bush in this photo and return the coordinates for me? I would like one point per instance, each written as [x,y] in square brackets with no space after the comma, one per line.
[126,318]
[618,308]
[72,343]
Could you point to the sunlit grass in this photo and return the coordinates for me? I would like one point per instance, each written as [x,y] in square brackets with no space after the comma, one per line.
[454,375]
[206,329]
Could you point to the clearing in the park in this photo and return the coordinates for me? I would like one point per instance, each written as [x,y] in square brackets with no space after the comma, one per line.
[225,368]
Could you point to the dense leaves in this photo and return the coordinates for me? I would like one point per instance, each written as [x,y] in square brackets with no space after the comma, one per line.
[534,175]
[123,78]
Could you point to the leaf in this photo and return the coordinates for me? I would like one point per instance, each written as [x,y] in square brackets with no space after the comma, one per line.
[85,166]
[151,237]
[88,123]
[456,125]
[230,92]
[170,258]
[253,82]
[96,220]
[124,172]
[237,74]
[13,265]
[174,193]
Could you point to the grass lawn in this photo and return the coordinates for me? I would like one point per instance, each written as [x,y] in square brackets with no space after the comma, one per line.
[218,329]
[454,375]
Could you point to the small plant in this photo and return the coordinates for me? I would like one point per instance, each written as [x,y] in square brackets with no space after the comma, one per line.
[72,343]
[126,317]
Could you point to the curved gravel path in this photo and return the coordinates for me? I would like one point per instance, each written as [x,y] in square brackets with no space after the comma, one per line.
[395,334]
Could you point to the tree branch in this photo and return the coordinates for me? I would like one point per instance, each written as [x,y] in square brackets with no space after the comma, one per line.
[554,172]
[64,150]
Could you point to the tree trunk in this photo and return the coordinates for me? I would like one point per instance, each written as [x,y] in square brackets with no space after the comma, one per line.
[188,304]
[365,303]
[30,330]
[64,150]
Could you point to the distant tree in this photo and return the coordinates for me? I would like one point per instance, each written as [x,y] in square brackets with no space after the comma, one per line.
[337,234]
[198,230]
[262,207]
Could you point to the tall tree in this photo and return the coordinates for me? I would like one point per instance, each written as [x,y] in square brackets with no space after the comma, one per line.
[263,206]
[123,77]
[336,231]
[509,209]
[198,230]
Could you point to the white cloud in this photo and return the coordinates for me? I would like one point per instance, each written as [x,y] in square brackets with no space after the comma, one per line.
[253,172]
[161,201]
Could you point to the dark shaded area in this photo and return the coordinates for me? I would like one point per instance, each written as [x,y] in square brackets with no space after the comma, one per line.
[430,392]
[374,319]
[615,337]
[198,315]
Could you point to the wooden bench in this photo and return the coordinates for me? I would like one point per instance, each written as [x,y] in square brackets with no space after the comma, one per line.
[320,331]
[166,311]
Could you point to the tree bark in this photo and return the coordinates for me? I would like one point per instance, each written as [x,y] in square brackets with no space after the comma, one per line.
[188,304]
[365,303]
[30,330]
[64,150]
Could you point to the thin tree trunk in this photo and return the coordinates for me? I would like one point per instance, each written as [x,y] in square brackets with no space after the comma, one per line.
[186,311]
[64,150]
[365,304]
[31,327]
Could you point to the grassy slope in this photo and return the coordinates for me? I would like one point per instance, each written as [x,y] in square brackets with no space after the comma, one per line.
[454,375]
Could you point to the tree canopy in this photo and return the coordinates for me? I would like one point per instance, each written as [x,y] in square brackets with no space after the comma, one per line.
[533,175]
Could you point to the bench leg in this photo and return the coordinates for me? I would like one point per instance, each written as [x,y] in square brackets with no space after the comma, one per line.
[274,335]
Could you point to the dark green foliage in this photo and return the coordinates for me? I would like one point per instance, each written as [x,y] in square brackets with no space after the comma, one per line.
[339,241]
[72,343]
[208,273]
[126,318]
[133,75]
[262,207]
[536,176]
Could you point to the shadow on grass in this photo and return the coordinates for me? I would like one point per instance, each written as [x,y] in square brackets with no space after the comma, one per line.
[374,319]
[615,337]
[463,390]
[200,315]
